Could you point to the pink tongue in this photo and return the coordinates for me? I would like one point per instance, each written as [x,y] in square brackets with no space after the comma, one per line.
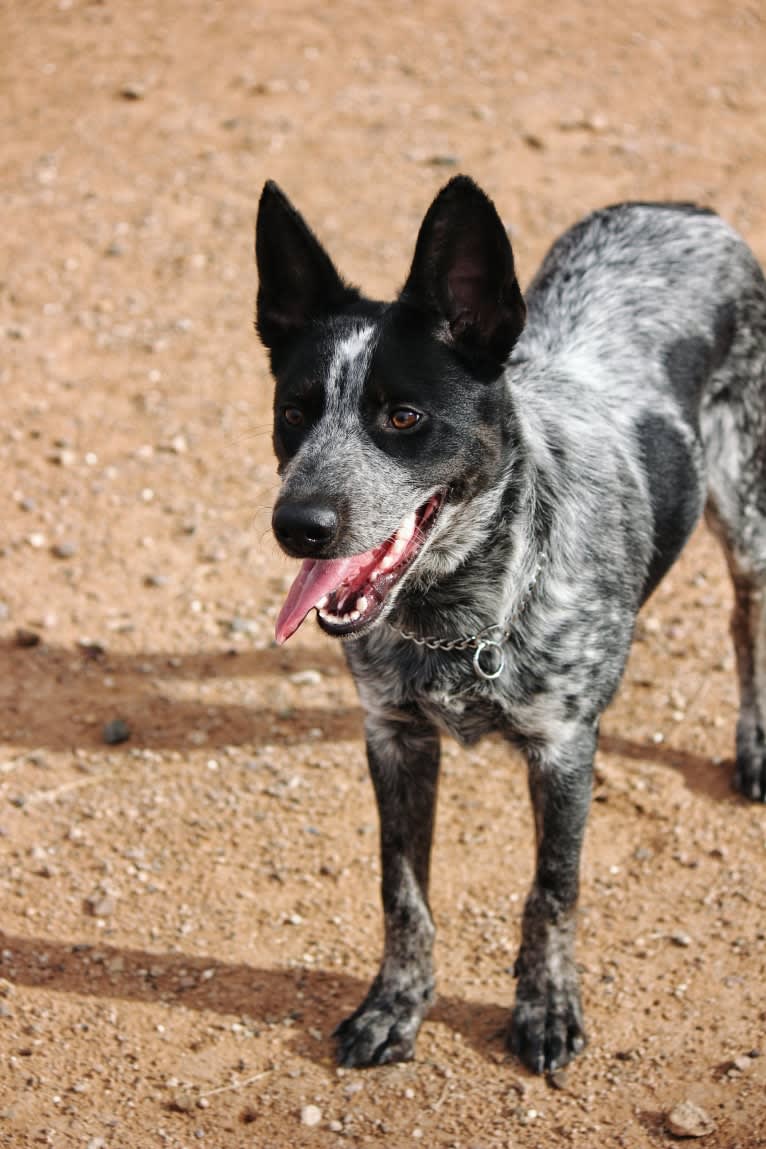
[316,578]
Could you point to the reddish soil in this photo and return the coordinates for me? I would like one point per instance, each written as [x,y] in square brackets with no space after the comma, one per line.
[186,915]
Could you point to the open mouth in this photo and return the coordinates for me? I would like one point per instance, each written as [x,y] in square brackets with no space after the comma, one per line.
[349,593]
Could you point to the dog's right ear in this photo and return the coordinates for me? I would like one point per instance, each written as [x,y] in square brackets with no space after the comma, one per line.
[463,274]
[297,281]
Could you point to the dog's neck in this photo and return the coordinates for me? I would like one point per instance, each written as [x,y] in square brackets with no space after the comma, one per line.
[486,587]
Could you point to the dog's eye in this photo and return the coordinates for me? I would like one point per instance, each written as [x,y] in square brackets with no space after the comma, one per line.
[293,416]
[404,419]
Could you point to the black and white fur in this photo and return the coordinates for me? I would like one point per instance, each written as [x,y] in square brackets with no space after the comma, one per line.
[590,438]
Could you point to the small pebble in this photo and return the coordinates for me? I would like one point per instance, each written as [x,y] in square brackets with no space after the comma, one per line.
[306,678]
[100,905]
[116,731]
[688,1120]
[243,626]
[311,1115]
[133,91]
[27,638]
[183,1101]
[64,550]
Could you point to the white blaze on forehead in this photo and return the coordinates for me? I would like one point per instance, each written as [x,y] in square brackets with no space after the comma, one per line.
[349,362]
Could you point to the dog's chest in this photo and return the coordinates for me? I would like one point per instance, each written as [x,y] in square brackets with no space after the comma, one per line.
[445,688]
[467,711]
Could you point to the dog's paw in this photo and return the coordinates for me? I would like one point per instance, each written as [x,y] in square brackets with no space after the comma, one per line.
[383,1029]
[750,770]
[546,1029]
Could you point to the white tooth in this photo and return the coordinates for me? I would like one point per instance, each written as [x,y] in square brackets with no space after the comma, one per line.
[361,604]
[323,601]
[407,529]
[354,616]
[398,546]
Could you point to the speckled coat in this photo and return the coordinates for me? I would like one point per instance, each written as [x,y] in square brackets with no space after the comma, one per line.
[577,450]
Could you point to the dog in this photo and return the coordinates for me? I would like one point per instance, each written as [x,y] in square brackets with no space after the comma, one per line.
[484,488]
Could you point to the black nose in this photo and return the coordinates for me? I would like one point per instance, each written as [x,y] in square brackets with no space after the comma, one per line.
[304,528]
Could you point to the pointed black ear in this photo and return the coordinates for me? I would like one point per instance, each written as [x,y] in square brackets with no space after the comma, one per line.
[463,272]
[297,281]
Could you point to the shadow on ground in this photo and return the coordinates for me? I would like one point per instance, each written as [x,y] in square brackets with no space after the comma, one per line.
[311,998]
[55,697]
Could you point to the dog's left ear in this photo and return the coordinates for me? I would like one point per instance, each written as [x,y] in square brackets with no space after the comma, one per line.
[463,272]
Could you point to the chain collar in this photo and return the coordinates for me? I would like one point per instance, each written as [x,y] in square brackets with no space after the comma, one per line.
[490,638]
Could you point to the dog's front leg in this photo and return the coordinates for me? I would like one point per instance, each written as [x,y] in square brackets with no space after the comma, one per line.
[403,756]
[546,1024]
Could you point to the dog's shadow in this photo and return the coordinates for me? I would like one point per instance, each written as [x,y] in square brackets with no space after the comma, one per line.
[53,697]
[44,691]
[703,775]
[309,1001]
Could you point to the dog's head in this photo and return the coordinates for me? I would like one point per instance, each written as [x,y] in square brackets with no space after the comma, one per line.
[390,420]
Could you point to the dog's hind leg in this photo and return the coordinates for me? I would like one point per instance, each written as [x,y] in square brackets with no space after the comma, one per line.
[733,424]
[547,1025]
[403,756]
[748,629]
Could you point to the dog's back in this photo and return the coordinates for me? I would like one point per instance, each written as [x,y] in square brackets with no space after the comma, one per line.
[650,319]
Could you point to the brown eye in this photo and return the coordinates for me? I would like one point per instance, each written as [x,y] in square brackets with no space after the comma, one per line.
[293,416]
[404,419]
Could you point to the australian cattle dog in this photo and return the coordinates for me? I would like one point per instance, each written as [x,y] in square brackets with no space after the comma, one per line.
[484,488]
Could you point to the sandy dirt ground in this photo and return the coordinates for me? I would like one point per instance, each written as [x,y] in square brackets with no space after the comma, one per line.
[186,915]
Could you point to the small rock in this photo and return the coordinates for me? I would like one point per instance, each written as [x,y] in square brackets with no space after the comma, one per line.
[100,905]
[65,457]
[239,625]
[155,580]
[687,1120]
[311,1115]
[64,550]
[116,731]
[183,1101]
[133,91]
[680,939]
[91,649]
[27,638]
[306,678]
